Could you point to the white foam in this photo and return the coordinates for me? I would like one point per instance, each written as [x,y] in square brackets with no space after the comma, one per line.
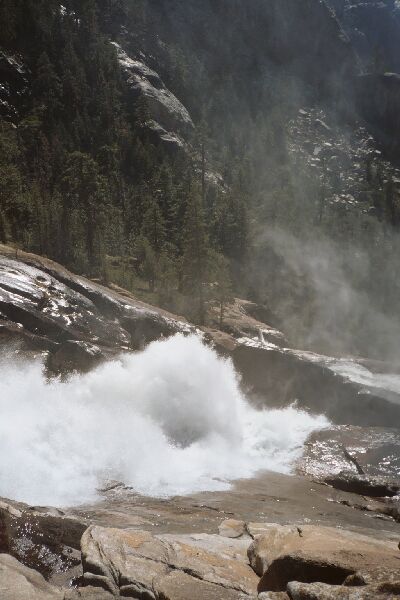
[170,420]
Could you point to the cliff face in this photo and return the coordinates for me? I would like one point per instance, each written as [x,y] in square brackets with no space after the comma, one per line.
[232,60]
[249,44]
[240,44]
[226,61]
[374,30]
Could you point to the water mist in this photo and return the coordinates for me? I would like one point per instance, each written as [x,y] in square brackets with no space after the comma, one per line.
[170,420]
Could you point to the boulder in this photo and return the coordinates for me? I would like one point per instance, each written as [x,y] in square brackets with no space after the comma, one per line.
[232,528]
[18,582]
[222,561]
[180,586]
[321,591]
[268,544]
[136,563]
[319,554]
[123,561]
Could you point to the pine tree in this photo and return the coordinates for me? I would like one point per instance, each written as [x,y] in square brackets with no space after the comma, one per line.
[195,254]
[47,89]
[84,189]
[222,283]
[153,227]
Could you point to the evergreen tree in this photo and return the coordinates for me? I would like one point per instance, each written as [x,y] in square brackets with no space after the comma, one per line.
[153,227]
[195,254]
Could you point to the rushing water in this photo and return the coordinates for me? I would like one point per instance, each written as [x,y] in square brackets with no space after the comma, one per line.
[170,420]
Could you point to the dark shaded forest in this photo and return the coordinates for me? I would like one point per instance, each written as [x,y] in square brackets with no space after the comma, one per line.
[240,207]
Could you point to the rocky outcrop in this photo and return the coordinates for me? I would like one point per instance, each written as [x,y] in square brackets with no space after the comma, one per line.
[13,85]
[368,451]
[321,591]
[360,461]
[78,322]
[246,559]
[356,483]
[46,540]
[170,120]
[320,554]
[276,376]
[292,561]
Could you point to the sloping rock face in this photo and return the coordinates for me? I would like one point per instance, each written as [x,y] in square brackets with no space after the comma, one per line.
[171,122]
[276,376]
[77,321]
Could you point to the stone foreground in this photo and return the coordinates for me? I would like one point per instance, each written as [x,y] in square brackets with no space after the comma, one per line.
[243,561]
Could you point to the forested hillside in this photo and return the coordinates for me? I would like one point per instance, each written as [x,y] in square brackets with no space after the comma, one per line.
[192,150]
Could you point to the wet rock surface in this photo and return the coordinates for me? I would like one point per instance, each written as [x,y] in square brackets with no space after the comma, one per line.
[276,376]
[364,485]
[362,461]
[46,540]
[373,451]
[77,322]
